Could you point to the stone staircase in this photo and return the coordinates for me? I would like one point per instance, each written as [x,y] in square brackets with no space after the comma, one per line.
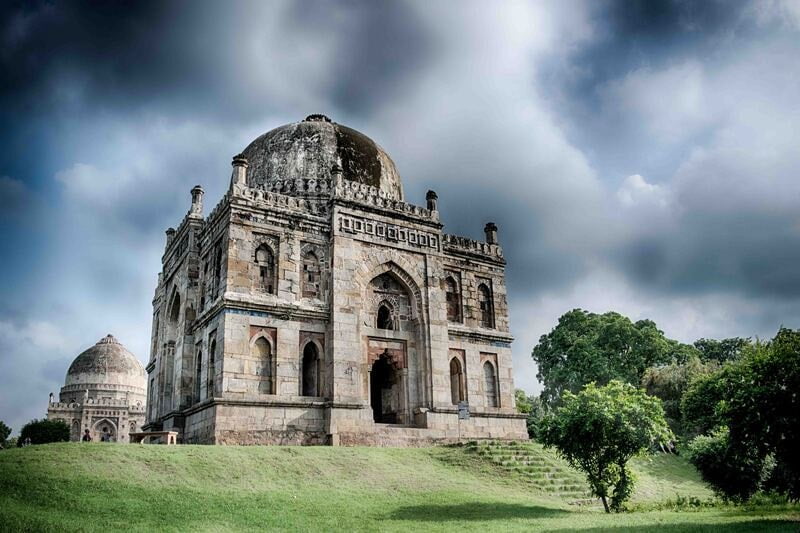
[541,468]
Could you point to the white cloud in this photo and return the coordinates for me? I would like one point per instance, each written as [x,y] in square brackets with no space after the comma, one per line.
[669,104]
[635,191]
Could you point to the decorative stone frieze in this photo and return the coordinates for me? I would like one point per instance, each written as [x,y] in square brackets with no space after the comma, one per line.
[390,233]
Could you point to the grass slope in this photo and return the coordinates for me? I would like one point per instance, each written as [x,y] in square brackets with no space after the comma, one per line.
[85,487]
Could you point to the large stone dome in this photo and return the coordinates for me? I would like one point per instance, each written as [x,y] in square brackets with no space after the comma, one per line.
[311,148]
[107,363]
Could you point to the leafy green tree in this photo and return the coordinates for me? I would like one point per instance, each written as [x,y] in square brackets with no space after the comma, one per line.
[523,401]
[535,417]
[756,399]
[5,431]
[534,408]
[44,431]
[586,347]
[669,384]
[599,429]
[702,403]
[721,350]
[762,404]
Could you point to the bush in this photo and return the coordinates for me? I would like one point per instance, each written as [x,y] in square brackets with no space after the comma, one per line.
[5,431]
[735,474]
[44,431]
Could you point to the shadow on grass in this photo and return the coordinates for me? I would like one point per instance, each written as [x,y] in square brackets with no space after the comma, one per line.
[749,526]
[473,511]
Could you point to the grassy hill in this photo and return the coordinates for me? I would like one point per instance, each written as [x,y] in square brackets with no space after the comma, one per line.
[79,487]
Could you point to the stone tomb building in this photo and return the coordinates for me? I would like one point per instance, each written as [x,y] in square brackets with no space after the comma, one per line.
[104,392]
[314,305]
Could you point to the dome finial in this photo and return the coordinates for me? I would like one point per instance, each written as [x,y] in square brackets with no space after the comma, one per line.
[317,117]
[108,339]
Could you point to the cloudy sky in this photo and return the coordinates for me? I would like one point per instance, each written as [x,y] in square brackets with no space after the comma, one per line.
[638,156]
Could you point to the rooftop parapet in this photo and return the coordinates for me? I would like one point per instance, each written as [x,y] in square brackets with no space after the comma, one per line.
[373,196]
[303,187]
[263,197]
[456,243]
[99,402]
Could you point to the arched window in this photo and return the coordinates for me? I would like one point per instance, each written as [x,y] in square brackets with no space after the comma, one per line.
[310,374]
[453,299]
[217,268]
[384,317]
[211,369]
[265,260]
[486,307]
[264,353]
[175,309]
[197,374]
[456,381]
[156,326]
[309,283]
[490,384]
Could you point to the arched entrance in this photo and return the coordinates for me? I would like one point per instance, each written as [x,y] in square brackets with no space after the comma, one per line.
[384,391]
[393,325]
[105,431]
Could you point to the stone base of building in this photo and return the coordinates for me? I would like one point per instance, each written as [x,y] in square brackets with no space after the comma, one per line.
[321,423]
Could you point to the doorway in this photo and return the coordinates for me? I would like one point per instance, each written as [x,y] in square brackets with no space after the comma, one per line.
[383,393]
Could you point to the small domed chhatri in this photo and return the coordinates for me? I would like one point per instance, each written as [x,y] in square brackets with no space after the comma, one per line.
[104,392]
[315,305]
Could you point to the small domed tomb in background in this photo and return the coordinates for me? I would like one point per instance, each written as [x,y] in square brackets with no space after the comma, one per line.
[104,392]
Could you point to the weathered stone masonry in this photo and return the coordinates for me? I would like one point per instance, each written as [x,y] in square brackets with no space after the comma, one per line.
[315,306]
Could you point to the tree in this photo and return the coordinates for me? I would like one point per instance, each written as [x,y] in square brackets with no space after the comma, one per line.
[701,404]
[599,429]
[534,408]
[755,399]
[535,417]
[721,350]
[586,347]
[522,401]
[5,431]
[669,384]
[44,431]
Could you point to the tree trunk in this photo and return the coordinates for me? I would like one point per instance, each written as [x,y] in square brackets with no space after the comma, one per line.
[605,503]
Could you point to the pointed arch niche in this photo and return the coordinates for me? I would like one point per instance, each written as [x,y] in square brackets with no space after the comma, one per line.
[489,380]
[458,377]
[264,357]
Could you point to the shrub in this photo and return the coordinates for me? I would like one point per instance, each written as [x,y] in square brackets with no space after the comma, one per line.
[735,474]
[44,431]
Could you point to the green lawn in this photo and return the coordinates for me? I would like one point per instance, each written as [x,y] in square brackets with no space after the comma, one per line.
[78,487]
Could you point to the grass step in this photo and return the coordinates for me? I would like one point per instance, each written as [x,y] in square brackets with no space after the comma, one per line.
[542,469]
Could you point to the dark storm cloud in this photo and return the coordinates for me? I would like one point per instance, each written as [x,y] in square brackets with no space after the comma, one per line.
[115,54]
[646,32]
[380,47]
[748,253]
